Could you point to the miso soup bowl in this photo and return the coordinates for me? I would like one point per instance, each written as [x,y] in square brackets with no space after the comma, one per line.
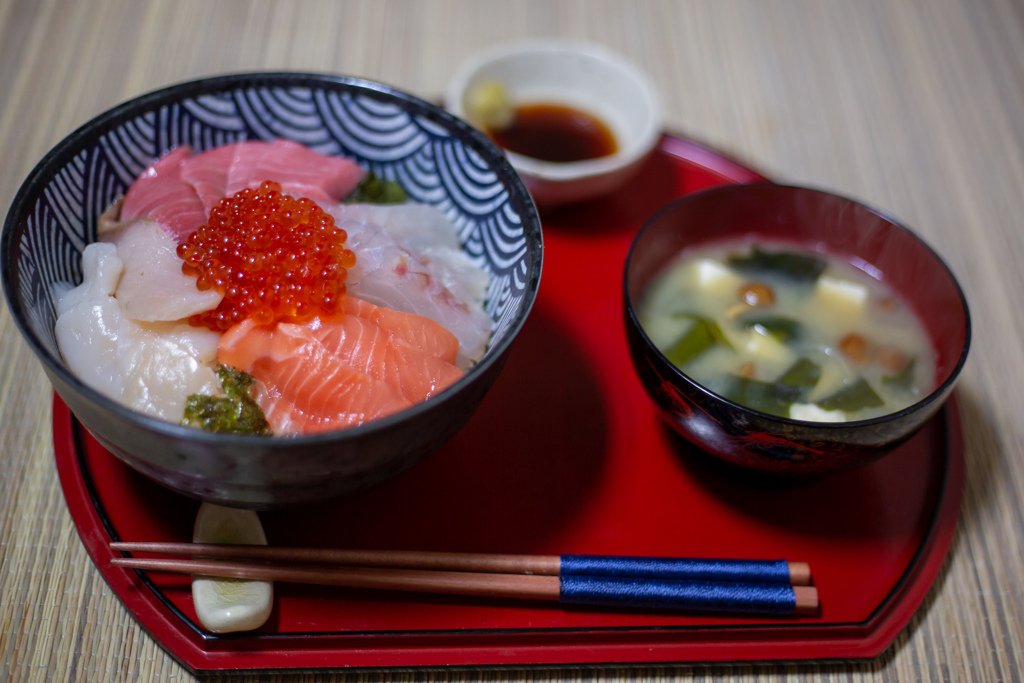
[436,157]
[766,444]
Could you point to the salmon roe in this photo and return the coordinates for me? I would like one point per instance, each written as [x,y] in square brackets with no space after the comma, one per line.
[272,256]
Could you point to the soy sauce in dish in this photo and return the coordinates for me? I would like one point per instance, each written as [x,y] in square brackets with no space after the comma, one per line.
[555,132]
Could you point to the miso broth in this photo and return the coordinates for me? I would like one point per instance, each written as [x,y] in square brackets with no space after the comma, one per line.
[792,333]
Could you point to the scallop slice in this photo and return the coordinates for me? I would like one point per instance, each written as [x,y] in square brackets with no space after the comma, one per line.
[90,320]
[151,367]
[165,363]
[224,605]
[153,288]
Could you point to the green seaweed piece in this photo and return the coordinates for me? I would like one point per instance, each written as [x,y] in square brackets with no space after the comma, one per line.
[774,398]
[793,265]
[857,396]
[702,335]
[781,328]
[904,379]
[804,373]
[373,189]
[235,413]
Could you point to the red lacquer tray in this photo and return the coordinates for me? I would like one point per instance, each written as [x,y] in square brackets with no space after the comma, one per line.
[566,455]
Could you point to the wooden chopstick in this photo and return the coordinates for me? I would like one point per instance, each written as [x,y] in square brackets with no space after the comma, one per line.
[746,598]
[457,583]
[540,565]
[397,559]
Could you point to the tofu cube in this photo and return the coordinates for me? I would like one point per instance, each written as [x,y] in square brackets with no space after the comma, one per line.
[841,296]
[764,347]
[812,413]
[711,276]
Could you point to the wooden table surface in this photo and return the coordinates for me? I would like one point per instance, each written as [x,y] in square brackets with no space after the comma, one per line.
[915,107]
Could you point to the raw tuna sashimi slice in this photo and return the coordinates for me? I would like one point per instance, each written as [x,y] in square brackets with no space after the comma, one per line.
[226,170]
[301,172]
[207,173]
[181,188]
[160,193]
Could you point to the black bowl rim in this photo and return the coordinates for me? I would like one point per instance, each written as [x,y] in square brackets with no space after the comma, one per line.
[937,394]
[90,132]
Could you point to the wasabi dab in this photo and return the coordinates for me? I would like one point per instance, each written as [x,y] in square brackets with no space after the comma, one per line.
[235,413]
[373,189]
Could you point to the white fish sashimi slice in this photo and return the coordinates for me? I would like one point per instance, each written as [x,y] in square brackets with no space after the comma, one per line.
[425,231]
[153,288]
[388,275]
[458,274]
[226,605]
[415,226]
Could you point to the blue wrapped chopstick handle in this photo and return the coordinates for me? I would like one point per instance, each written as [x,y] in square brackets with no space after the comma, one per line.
[728,596]
[680,569]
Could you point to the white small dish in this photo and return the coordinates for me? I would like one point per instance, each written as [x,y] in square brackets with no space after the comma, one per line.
[583,76]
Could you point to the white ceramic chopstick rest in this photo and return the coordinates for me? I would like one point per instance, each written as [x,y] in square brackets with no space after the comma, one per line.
[225,605]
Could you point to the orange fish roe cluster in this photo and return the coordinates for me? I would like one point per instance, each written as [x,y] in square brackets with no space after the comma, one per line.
[272,256]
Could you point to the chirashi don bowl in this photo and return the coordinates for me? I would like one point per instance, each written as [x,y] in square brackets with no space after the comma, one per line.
[437,158]
[763,444]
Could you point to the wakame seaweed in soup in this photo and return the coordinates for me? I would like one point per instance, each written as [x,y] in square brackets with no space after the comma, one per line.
[789,332]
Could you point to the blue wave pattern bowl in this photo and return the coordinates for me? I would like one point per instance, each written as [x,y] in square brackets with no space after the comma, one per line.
[436,157]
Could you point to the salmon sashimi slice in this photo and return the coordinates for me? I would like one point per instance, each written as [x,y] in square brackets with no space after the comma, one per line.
[416,330]
[319,390]
[363,346]
[161,194]
[388,274]
[308,388]
[343,370]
